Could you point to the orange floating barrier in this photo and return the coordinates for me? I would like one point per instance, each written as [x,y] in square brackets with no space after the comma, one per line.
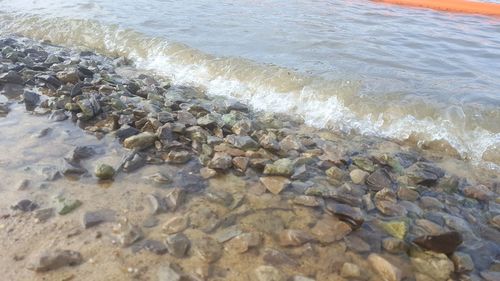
[458,6]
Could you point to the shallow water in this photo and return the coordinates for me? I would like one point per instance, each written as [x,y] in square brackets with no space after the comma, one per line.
[378,69]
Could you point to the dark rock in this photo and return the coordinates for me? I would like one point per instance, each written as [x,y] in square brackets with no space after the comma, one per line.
[379,179]
[50,260]
[424,174]
[352,215]
[31,100]
[125,132]
[11,77]
[178,244]
[92,218]
[58,115]
[445,243]
[25,205]
[154,246]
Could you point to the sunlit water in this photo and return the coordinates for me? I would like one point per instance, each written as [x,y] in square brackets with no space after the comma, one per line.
[346,65]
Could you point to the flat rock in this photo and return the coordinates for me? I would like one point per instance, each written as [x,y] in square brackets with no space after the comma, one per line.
[25,205]
[275,184]
[93,218]
[54,259]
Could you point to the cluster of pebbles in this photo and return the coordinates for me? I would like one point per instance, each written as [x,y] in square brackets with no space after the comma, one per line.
[299,203]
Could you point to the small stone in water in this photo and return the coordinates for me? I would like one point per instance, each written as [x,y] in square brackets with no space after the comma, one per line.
[178,244]
[92,218]
[25,205]
[104,172]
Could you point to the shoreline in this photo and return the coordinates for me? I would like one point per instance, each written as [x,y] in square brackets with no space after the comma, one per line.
[240,184]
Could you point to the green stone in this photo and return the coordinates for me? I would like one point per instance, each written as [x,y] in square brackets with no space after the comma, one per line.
[67,206]
[397,229]
[104,172]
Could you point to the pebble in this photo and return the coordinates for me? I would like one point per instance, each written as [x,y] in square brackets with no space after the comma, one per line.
[178,244]
[104,171]
[358,176]
[25,205]
[43,215]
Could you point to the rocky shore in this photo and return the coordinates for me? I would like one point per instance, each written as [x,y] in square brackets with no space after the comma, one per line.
[205,188]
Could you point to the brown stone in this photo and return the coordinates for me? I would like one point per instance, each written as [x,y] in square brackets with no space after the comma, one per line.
[275,184]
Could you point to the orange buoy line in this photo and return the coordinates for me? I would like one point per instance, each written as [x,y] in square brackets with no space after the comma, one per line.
[458,6]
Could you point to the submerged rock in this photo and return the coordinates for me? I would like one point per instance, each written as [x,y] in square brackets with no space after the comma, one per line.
[281,167]
[275,184]
[50,260]
[178,244]
[208,249]
[379,180]
[294,237]
[104,171]
[25,205]
[424,174]
[268,273]
[445,243]
[140,141]
[352,215]
[434,265]
[384,268]
[93,218]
